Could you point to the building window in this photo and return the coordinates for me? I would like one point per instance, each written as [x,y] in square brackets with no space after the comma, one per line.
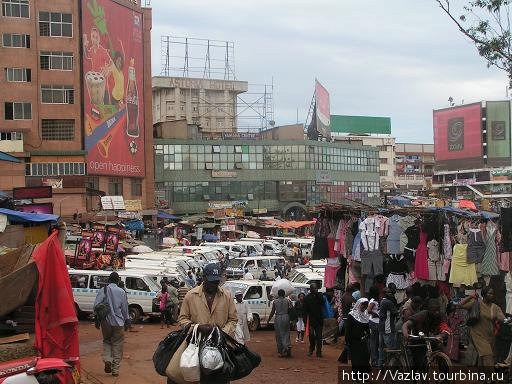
[136,187]
[55,169]
[384,161]
[55,24]
[92,182]
[13,40]
[383,173]
[18,75]
[382,148]
[58,129]
[9,136]
[17,111]
[15,8]
[56,61]
[57,94]
[115,186]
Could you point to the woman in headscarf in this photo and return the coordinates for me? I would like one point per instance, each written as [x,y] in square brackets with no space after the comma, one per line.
[357,334]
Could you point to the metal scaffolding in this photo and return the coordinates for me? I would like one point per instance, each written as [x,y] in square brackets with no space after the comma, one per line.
[215,59]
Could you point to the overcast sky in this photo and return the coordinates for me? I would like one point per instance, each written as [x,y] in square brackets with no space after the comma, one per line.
[398,58]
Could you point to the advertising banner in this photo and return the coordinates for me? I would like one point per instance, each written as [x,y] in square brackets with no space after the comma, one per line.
[323,110]
[458,137]
[498,133]
[113,89]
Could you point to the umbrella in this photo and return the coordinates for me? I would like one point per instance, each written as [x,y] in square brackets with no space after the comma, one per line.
[141,249]
[210,237]
[252,235]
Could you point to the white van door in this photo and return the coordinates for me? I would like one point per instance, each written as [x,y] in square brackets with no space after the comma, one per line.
[81,294]
[96,283]
[140,297]
[257,302]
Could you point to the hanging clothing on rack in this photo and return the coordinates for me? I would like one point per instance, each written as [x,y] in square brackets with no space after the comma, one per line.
[331,269]
[398,272]
[413,240]
[461,272]
[435,262]
[394,233]
[447,250]
[506,229]
[508,297]
[476,246]
[371,257]
[356,247]
[503,257]
[341,235]
[489,265]
[421,261]
[405,223]
[383,225]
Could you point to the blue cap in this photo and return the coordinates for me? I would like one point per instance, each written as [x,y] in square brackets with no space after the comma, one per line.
[212,272]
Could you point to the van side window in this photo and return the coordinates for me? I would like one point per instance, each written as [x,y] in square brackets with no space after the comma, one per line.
[269,295]
[98,281]
[263,264]
[79,281]
[249,264]
[254,292]
[136,284]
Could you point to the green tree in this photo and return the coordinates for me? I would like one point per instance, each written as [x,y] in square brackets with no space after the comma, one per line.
[487,24]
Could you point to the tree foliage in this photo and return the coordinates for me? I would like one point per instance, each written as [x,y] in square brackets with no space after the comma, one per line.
[487,24]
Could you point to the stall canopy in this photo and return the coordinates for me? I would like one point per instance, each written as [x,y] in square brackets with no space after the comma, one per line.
[166,216]
[22,217]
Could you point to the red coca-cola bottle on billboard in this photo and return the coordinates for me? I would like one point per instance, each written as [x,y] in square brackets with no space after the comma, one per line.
[132,103]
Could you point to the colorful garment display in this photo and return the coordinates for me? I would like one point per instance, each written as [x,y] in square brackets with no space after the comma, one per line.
[461,272]
[394,233]
[476,246]
[435,262]
[421,261]
[489,265]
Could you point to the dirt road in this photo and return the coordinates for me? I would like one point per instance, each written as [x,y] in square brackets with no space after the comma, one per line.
[137,366]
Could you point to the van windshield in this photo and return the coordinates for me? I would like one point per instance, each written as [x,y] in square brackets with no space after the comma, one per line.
[236,263]
[233,287]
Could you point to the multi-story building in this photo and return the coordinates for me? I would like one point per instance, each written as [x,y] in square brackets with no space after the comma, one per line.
[281,176]
[473,151]
[207,103]
[67,92]
[370,131]
[414,166]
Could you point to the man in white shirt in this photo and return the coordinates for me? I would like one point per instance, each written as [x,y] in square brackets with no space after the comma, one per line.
[248,275]
[244,318]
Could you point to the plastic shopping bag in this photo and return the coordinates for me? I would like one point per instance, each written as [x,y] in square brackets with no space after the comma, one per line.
[189,361]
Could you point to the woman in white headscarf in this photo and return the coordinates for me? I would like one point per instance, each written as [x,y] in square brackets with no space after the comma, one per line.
[357,334]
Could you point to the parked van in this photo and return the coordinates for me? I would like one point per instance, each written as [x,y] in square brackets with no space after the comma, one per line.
[140,288]
[305,245]
[255,265]
[306,276]
[256,293]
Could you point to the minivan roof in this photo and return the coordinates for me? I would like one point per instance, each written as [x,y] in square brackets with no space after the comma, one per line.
[259,258]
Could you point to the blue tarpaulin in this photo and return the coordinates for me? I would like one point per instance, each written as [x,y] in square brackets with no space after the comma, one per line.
[22,217]
[134,225]
[400,201]
[166,216]
[210,237]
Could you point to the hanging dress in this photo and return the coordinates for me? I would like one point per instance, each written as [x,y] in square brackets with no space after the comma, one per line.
[461,272]
[421,262]
[489,265]
[476,246]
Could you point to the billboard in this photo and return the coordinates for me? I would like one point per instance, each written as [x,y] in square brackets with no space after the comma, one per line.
[498,133]
[113,88]
[321,122]
[458,137]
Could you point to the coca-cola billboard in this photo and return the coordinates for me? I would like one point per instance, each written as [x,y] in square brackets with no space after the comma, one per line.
[113,67]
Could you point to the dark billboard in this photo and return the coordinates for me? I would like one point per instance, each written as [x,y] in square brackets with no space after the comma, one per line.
[32,193]
[498,133]
[113,69]
[458,137]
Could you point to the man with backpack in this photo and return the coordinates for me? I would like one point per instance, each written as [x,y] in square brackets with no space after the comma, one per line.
[111,315]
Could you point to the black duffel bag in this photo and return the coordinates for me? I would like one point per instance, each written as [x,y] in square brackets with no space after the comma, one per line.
[239,360]
[166,349]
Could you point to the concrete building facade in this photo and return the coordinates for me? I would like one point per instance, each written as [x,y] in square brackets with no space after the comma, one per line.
[41,98]
[414,166]
[207,103]
[370,131]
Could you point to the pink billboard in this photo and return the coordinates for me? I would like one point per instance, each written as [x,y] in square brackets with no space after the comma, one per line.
[458,137]
[113,66]
[323,110]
